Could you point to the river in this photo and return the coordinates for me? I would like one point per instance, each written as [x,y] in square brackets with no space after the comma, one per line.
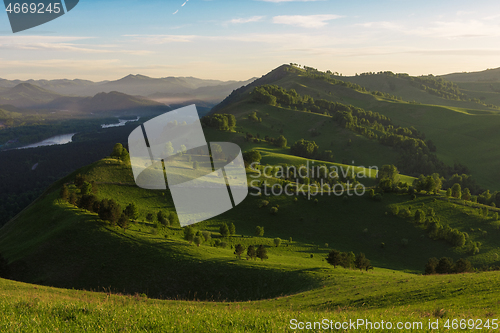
[67,138]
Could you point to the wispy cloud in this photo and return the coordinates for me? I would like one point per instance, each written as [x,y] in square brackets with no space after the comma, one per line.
[246,20]
[185,2]
[305,21]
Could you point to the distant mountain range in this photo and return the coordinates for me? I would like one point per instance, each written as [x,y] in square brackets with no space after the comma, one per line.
[163,89]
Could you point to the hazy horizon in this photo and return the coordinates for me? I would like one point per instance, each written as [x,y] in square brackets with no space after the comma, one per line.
[227,40]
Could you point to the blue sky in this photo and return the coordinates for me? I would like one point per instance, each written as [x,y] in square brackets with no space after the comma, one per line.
[237,40]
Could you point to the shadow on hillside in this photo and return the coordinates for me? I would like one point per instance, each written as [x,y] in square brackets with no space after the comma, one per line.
[86,255]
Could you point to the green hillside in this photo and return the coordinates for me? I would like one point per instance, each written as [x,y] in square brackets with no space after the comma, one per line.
[54,243]
[457,132]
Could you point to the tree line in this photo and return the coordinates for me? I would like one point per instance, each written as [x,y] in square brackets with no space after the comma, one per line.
[348,260]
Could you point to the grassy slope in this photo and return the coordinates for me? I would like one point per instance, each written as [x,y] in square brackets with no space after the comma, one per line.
[403,88]
[348,295]
[56,244]
[466,135]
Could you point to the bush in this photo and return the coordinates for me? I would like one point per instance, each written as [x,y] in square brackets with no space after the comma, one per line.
[277,242]
[263,203]
[274,210]
[259,231]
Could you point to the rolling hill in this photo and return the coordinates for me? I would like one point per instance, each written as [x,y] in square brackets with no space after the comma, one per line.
[457,132]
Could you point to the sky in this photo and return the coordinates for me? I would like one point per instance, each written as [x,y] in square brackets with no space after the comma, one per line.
[241,39]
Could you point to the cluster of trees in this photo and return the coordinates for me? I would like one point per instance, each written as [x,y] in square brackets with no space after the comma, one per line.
[251,156]
[120,153]
[280,141]
[304,148]
[107,209]
[196,236]
[348,260]
[429,184]
[253,116]
[222,122]
[446,265]
[313,73]
[252,252]
[227,229]
[427,218]
[438,86]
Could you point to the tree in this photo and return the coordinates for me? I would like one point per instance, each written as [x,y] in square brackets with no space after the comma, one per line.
[86,188]
[196,165]
[259,231]
[388,172]
[189,234]
[161,217]
[251,253]
[361,261]
[207,235]
[274,210]
[117,151]
[281,141]
[125,156]
[251,156]
[448,193]
[232,229]
[150,217]
[109,210]
[334,258]
[238,250]
[131,211]
[430,267]
[277,242]
[445,266]
[123,221]
[262,252]
[456,191]
[87,202]
[347,259]
[168,150]
[79,180]
[466,194]
[197,240]
[64,193]
[463,266]
[224,230]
